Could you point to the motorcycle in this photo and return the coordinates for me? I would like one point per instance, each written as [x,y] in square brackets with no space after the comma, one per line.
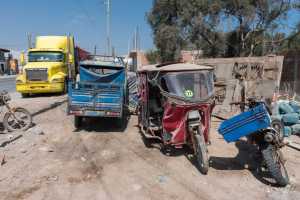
[255,123]
[15,118]
[175,106]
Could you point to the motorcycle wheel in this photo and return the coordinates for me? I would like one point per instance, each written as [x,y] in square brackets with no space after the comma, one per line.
[275,164]
[279,127]
[201,152]
[20,119]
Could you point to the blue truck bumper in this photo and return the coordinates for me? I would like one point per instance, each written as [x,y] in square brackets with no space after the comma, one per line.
[95,112]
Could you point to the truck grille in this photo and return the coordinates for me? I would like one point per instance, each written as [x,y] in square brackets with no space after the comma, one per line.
[37,74]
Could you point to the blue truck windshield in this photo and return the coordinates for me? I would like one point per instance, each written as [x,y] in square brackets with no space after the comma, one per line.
[103,70]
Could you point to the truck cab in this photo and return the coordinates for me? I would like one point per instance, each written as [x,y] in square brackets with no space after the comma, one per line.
[48,66]
[100,90]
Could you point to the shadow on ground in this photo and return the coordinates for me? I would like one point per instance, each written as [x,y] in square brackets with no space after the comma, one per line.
[1,128]
[44,95]
[48,108]
[249,158]
[103,125]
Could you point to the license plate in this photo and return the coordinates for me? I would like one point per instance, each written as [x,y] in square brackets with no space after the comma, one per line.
[94,113]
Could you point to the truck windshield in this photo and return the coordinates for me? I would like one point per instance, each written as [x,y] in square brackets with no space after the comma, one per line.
[45,57]
[196,85]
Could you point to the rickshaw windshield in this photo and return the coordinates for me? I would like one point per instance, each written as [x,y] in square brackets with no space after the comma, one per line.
[192,85]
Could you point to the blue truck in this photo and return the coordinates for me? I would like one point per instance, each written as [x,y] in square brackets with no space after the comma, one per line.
[100,90]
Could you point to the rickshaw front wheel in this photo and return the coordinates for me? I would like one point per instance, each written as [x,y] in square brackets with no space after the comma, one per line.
[201,152]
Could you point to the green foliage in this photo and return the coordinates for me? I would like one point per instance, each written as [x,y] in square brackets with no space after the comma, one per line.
[218,27]
[153,56]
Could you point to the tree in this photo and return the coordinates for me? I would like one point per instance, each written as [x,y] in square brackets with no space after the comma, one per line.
[164,20]
[218,27]
[153,56]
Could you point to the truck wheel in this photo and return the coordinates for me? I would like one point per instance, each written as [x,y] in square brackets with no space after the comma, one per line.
[275,165]
[65,87]
[77,121]
[25,95]
[201,152]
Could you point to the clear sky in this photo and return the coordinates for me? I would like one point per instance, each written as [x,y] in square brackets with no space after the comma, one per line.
[85,19]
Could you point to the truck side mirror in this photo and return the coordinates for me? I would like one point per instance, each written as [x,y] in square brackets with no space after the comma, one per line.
[22,59]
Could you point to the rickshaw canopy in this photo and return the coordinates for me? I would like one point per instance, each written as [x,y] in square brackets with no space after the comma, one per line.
[174,67]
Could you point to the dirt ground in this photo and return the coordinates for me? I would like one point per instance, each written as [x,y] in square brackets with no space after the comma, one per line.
[104,162]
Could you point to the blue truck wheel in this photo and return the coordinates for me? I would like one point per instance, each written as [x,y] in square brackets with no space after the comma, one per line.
[77,121]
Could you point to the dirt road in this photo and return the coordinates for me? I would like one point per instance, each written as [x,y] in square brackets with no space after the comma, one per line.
[103,162]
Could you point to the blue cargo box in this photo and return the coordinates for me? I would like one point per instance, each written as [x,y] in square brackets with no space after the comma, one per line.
[245,123]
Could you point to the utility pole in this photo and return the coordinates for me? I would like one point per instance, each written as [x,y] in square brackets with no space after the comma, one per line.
[29,37]
[95,50]
[108,31]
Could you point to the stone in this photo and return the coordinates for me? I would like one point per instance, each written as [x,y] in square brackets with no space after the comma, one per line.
[46,149]
[36,131]
[3,160]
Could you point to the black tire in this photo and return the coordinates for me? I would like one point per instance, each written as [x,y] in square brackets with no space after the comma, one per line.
[20,119]
[65,87]
[24,95]
[201,152]
[279,127]
[77,122]
[275,164]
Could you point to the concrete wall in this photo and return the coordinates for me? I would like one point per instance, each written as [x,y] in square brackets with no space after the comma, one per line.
[260,77]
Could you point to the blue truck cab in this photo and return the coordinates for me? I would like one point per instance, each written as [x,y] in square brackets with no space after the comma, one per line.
[100,89]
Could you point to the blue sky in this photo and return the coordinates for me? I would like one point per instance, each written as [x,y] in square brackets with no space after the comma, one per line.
[85,19]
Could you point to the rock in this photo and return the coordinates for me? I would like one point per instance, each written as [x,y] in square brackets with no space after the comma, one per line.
[46,149]
[10,136]
[3,160]
[162,179]
[52,178]
[83,159]
[23,151]
[36,131]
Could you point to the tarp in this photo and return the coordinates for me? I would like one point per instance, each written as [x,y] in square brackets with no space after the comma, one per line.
[133,91]
[89,76]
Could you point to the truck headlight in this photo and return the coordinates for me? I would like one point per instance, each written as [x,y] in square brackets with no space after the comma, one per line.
[58,80]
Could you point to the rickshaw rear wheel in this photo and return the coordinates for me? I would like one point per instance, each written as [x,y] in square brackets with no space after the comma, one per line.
[201,152]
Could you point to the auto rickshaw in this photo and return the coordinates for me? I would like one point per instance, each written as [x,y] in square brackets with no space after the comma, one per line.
[175,106]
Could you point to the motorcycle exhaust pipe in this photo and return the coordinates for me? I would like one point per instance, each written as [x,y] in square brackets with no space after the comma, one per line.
[269,137]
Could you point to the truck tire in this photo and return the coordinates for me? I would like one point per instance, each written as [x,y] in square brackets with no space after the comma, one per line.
[275,165]
[201,152]
[25,95]
[65,87]
[77,122]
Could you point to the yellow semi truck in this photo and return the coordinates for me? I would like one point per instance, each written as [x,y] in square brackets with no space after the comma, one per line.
[48,66]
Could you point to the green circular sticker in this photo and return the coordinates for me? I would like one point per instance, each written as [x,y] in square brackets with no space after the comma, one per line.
[189,93]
